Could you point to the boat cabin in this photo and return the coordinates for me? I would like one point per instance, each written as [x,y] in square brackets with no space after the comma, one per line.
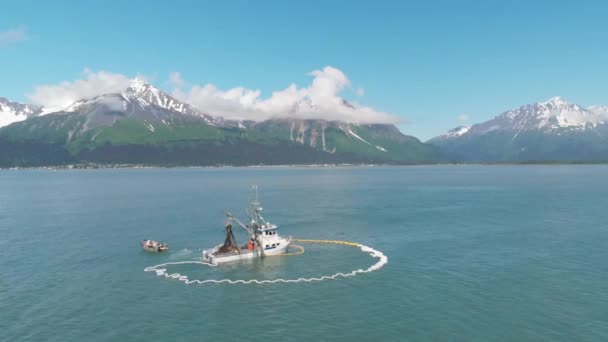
[269,238]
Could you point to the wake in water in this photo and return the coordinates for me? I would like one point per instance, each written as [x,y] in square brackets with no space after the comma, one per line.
[181,254]
[382,260]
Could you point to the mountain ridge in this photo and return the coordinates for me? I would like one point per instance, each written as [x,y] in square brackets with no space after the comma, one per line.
[550,130]
[144,125]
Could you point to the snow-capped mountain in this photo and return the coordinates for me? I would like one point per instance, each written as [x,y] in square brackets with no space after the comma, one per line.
[147,95]
[552,129]
[139,98]
[14,112]
[550,116]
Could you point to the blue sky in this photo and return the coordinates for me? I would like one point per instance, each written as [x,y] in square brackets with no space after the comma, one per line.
[427,62]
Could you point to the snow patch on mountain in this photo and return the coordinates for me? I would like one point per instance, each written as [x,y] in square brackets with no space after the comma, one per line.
[454,133]
[553,116]
[459,131]
[148,95]
[599,110]
[11,112]
[381,148]
[349,131]
[549,115]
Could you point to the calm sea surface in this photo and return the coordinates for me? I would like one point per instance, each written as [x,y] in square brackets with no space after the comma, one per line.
[501,253]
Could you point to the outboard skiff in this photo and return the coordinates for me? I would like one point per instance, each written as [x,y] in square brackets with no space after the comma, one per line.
[154,246]
[264,238]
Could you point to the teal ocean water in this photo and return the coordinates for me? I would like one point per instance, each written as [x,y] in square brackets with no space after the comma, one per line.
[500,253]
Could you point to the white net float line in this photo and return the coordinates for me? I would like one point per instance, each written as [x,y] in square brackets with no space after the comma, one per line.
[382,260]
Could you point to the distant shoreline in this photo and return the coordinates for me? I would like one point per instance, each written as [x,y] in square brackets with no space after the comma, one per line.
[140,166]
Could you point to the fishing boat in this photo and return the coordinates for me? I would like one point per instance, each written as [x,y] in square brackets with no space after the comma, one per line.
[154,246]
[264,239]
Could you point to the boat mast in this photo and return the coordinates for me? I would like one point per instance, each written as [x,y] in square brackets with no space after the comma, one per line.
[254,207]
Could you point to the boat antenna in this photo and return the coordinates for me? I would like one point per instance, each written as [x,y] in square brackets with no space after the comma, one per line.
[255,187]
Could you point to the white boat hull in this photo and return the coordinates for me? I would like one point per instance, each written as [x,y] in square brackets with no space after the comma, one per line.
[212,257]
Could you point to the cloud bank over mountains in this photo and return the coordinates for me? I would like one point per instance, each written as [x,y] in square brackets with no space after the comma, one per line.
[321,99]
[90,85]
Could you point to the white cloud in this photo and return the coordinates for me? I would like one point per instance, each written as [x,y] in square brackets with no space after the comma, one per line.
[65,93]
[13,35]
[113,103]
[237,103]
[360,92]
[463,117]
[324,93]
[176,80]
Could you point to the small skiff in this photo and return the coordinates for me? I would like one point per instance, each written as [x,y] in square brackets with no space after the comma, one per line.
[154,246]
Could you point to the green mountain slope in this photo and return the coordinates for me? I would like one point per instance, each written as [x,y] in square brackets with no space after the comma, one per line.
[67,138]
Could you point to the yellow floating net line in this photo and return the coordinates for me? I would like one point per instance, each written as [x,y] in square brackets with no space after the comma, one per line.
[335,242]
[301,249]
